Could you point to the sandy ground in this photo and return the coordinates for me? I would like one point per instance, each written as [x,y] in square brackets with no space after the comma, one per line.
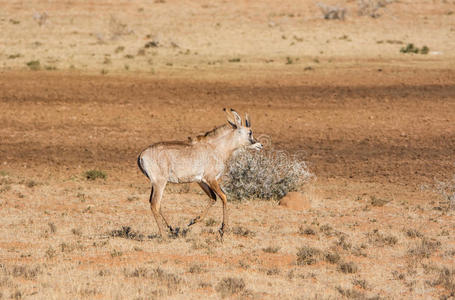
[374,125]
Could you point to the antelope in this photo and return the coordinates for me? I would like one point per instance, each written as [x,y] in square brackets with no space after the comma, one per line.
[200,160]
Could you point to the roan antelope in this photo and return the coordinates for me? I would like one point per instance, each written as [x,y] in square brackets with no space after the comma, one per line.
[200,160]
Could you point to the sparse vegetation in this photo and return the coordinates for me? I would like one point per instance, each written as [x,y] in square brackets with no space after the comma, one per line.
[413,233]
[229,286]
[171,281]
[378,239]
[34,65]
[347,267]
[242,231]
[447,190]
[127,233]
[264,175]
[14,56]
[332,257]
[350,293]
[375,124]
[271,249]
[210,222]
[95,174]
[306,231]
[371,7]
[425,248]
[410,48]
[332,12]
[378,202]
[308,256]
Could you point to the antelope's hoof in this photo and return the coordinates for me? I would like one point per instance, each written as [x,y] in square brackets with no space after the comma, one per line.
[221,232]
[193,221]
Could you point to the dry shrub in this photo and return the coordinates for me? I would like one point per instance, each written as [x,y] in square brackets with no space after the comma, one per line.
[348,268]
[413,233]
[26,272]
[271,249]
[332,12]
[447,191]
[332,257]
[264,175]
[306,231]
[350,293]
[380,240]
[308,256]
[242,231]
[127,233]
[425,248]
[229,286]
[94,174]
[371,7]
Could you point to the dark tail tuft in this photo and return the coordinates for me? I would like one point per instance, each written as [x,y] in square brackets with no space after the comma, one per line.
[140,165]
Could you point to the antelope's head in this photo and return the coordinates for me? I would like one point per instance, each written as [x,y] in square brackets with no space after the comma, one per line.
[243,134]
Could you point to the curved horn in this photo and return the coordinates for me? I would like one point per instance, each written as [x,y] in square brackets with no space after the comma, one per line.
[247,120]
[238,119]
[230,118]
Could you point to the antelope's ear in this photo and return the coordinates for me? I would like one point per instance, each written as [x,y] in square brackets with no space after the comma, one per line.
[247,121]
[229,118]
[238,119]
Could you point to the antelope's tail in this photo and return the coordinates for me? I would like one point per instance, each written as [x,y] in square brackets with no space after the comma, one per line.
[140,164]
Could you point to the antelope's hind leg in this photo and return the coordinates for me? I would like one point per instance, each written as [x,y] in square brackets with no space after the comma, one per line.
[155,204]
[212,201]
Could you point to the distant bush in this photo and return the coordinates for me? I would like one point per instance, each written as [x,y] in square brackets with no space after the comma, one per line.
[332,12]
[410,48]
[264,175]
[34,65]
[371,7]
[94,174]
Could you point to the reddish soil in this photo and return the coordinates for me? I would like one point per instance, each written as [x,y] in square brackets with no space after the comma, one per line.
[372,130]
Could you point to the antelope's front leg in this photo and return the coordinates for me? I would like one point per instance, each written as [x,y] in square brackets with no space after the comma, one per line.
[216,188]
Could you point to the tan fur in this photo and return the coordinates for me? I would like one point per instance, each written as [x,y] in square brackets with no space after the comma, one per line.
[201,159]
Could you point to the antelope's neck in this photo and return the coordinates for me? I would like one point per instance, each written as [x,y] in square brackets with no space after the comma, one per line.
[226,146]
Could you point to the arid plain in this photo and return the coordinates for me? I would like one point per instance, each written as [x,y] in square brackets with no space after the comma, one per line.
[88,84]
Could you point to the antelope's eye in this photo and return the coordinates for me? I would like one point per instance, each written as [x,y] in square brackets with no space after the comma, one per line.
[250,133]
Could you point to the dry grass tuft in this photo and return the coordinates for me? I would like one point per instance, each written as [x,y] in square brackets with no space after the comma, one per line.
[378,202]
[413,233]
[127,233]
[425,248]
[350,293]
[446,279]
[95,174]
[229,286]
[308,256]
[332,12]
[264,175]
[23,271]
[306,231]
[242,231]
[347,267]
[447,190]
[271,249]
[332,257]
[378,239]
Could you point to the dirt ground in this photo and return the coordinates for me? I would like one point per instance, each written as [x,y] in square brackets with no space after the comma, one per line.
[374,125]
